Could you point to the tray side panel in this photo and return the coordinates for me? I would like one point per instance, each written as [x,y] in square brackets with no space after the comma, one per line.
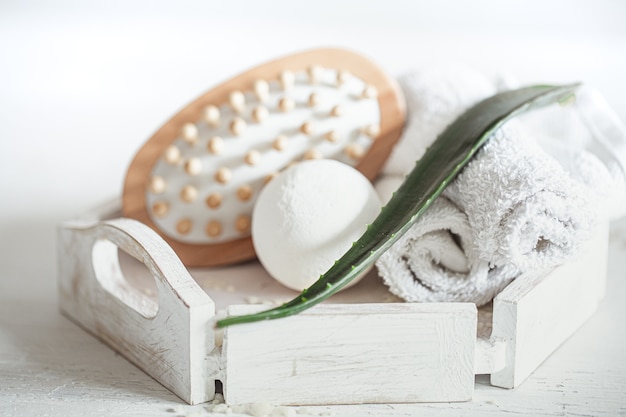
[347,354]
[538,312]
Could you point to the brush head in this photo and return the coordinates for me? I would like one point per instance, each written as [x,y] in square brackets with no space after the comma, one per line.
[196,180]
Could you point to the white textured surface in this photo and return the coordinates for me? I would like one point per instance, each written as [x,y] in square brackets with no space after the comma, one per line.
[308,216]
[83,86]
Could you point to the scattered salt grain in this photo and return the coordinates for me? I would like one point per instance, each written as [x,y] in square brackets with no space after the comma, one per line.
[283,412]
[195,414]
[253,300]
[261,409]
[221,408]
[219,337]
[239,409]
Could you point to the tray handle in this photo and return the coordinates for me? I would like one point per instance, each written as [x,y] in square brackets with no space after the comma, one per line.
[170,340]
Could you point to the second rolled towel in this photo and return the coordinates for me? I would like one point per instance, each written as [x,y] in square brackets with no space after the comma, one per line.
[432,262]
[527,201]
[512,209]
[523,208]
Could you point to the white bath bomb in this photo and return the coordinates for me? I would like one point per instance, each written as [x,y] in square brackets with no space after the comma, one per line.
[308,216]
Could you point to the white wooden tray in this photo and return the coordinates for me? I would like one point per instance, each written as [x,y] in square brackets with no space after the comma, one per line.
[362,346]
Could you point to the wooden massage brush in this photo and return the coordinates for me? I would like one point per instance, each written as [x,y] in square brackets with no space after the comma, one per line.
[196,179]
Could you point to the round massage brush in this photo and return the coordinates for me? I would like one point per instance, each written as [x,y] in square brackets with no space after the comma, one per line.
[196,180]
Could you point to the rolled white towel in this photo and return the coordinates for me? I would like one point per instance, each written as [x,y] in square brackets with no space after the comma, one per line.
[430,263]
[522,206]
[435,97]
[522,209]
[587,138]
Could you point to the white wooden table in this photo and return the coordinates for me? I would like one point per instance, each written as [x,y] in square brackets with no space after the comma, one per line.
[51,367]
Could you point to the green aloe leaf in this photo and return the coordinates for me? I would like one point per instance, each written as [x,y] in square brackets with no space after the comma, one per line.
[443,160]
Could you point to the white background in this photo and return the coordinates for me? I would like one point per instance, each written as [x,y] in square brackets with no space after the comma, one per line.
[84,84]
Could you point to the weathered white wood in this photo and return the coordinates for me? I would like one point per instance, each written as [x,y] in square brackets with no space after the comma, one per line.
[537,312]
[126,314]
[350,354]
[490,356]
[169,335]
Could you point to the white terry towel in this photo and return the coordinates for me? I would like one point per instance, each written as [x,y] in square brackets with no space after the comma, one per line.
[522,209]
[430,263]
[435,97]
